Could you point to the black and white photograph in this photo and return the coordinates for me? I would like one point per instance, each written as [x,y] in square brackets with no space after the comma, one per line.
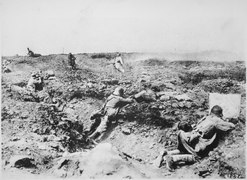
[123,89]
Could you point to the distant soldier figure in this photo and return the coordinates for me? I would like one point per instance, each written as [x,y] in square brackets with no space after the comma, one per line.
[118,63]
[31,53]
[109,112]
[72,59]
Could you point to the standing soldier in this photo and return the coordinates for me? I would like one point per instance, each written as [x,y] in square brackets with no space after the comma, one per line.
[71,59]
[118,63]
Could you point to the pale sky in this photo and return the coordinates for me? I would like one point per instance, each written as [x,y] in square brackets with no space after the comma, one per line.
[78,26]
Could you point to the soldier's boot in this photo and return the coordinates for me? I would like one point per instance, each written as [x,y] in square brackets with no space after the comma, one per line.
[171,160]
[158,161]
[94,135]
[91,138]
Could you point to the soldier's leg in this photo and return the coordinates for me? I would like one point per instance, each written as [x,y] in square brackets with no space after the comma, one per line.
[158,161]
[108,131]
[173,152]
[94,135]
[94,126]
[101,128]
[105,122]
[172,160]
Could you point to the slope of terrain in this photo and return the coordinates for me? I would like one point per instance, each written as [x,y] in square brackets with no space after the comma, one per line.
[40,141]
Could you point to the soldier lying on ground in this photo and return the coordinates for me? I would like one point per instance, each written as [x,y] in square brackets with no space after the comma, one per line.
[31,53]
[108,113]
[71,60]
[35,84]
[197,143]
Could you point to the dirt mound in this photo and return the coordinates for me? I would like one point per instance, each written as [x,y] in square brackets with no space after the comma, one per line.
[153,62]
[103,55]
[92,164]
[210,71]
[224,86]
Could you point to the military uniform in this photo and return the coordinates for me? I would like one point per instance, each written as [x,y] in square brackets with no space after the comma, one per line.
[111,108]
[200,140]
[71,60]
[119,64]
[33,83]
[30,53]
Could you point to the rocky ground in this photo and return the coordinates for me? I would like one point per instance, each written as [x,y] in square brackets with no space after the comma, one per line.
[39,140]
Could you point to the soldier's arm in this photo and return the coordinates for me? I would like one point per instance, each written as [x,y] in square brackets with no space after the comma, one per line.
[121,60]
[202,119]
[224,126]
[103,106]
[127,100]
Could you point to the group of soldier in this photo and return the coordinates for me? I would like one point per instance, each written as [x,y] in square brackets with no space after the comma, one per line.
[118,62]
[193,142]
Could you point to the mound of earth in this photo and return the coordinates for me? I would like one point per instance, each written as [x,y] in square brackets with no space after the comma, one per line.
[101,162]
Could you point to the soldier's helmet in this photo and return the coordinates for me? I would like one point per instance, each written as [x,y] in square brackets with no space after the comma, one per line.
[36,74]
[33,74]
[217,110]
[185,126]
[119,91]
